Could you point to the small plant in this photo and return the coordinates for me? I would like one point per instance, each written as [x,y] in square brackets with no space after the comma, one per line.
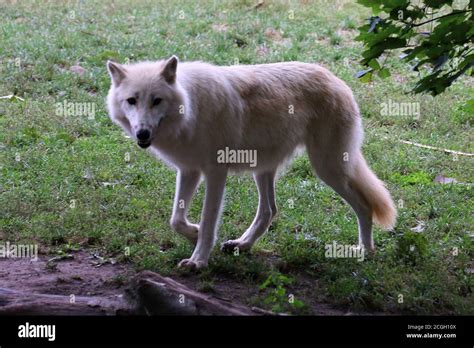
[207,286]
[412,247]
[277,295]
[349,23]
[416,178]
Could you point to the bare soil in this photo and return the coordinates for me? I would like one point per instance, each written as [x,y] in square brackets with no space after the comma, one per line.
[80,274]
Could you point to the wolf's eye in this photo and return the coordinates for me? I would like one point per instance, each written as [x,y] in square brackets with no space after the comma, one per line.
[132,101]
[157,101]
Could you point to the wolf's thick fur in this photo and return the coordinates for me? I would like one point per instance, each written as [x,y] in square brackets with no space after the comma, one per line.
[187,112]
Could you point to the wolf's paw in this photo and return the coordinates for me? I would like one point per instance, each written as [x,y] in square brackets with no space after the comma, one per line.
[191,265]
[370,249]
[232,246]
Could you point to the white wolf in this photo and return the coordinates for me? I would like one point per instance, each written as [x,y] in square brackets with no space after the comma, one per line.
[188,113]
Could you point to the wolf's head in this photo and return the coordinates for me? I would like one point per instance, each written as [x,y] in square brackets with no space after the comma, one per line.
[143,94]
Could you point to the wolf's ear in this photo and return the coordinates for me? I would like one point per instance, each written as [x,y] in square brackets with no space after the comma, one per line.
[116,71]
[169,71]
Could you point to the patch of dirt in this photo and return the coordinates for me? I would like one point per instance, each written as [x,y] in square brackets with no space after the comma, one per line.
[347,36]
[319,38]
[263,50]
[80,275]
[273,34]
[220,28]
[402,79]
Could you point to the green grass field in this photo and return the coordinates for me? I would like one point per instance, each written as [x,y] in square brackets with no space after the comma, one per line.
[70,181]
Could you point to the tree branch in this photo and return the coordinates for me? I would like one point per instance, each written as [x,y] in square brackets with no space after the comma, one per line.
[435,19]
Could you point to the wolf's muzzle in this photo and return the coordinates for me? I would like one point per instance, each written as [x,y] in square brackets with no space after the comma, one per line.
[144,138]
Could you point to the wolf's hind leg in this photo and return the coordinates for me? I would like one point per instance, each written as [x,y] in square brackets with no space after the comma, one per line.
[186,184]
[265,213]
[335,166]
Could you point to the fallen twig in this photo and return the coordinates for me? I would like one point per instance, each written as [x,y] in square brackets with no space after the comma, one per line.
[437,148]
[259,4]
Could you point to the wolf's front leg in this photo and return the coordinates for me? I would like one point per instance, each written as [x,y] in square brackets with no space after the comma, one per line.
[215,184]
[186,184]
[265,214]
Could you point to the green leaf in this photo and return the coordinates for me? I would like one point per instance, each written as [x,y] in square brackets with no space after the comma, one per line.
[447,47]
[384,73]
[374,64]
[366,77]
[373,4]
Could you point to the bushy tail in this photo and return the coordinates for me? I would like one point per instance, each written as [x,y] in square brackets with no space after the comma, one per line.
[376,194]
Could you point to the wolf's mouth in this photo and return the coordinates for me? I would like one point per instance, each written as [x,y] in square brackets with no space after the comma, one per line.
[143,145]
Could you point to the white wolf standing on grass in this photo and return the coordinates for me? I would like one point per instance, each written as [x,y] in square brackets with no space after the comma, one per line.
[188,112]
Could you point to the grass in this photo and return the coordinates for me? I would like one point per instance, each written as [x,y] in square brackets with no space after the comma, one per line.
[75,181]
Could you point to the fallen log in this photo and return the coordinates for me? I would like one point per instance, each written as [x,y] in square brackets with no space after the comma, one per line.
[158,295]
[15,302]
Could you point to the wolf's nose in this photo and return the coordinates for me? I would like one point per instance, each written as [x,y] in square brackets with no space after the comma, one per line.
[143,134]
